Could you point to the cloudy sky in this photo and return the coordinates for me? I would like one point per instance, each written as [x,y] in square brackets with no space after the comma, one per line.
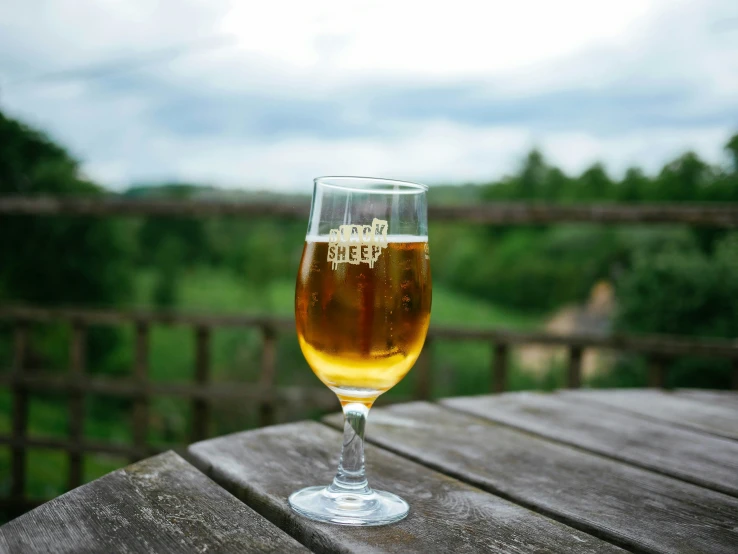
[268,95]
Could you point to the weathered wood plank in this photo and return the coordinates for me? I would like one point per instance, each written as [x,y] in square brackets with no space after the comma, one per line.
[689,455]
[729,398]
[161,504]
[263,467]
[635,508]
[709,417]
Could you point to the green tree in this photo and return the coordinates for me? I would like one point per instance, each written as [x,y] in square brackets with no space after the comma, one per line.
[684,292]
[168,267]
[684,178]
[732,148]
[594,184]
[57,260]
[555,185]
[532,175]
[634,186]
[156,234]
[725,184]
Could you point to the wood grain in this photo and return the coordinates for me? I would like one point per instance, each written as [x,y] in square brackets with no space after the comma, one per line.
[689,455]
[710,417]
[728,398]
[635,508]
[264,467]
[161,504]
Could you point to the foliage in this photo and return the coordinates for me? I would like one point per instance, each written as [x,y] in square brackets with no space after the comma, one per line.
[56,261]
[59,260]
[172,241]
[684,292]
[539,268]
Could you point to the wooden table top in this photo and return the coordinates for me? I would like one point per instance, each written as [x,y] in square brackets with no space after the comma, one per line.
[571,471]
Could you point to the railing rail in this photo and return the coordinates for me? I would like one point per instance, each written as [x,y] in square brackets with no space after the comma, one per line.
[492,213]
[665,345]
[659,350]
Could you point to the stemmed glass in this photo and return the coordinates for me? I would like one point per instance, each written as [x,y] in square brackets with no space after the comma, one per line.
[362,306]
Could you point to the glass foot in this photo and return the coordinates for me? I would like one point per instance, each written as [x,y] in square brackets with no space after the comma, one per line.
[347,508]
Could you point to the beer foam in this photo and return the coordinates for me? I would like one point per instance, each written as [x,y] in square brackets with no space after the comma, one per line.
[390,238]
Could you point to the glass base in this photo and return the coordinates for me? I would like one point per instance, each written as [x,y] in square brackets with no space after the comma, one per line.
[347,508]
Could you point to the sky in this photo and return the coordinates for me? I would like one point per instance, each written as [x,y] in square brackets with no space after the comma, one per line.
[268,95]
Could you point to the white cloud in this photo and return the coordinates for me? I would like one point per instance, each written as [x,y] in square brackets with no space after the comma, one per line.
[433,153]
[222,109]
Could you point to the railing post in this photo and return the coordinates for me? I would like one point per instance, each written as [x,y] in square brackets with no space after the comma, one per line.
[423,379]
[499,367]
[140,375]
[20,418]
[200,406]
[268,370]
[657,371]
[77,361]
[574,369]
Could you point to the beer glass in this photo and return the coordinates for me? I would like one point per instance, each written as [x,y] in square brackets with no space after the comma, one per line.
[362,306]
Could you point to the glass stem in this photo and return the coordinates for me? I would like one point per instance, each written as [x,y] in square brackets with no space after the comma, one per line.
[351,477]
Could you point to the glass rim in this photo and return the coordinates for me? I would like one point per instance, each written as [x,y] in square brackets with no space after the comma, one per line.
[370,185]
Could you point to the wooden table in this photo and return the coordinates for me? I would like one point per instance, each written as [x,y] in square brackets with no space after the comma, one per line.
[573,471]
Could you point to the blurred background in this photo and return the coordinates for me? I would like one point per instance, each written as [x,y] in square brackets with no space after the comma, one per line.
[573,102]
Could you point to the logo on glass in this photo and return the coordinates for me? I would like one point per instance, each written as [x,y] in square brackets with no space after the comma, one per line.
[357,244]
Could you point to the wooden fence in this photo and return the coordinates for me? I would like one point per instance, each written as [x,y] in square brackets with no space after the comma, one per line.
[202,393]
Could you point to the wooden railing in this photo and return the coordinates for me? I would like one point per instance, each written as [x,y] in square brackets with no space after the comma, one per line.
[77,383]
[492,213]
[202,393]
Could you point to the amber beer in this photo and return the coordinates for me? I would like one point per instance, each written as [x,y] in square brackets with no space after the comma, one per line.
[362,306]
[362,318]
